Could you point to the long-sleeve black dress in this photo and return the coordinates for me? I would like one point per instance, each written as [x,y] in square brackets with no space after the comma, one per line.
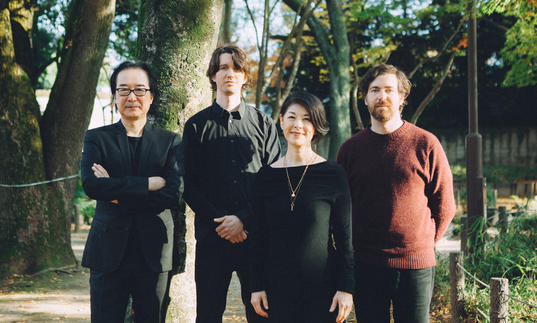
[302,257]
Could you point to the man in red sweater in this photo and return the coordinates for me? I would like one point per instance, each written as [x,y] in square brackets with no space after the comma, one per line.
[402,203]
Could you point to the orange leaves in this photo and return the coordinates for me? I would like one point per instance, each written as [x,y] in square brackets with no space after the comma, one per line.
[463,43]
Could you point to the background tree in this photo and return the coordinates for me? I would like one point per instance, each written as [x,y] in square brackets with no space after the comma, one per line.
[36,220]
[225,31]
[177,37]
[520,49]
[334,44]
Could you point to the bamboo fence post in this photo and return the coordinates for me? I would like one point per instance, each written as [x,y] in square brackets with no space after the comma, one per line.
[456,279]
[499,306]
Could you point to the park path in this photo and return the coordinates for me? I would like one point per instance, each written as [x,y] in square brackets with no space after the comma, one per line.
[63,295]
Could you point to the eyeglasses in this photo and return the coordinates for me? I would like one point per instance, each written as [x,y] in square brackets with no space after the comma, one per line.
[126,92]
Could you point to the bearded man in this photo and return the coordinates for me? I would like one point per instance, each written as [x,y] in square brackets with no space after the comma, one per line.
[402,203]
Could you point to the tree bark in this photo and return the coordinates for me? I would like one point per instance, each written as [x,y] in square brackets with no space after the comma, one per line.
[22,218]
[71,99]
[225,33]
[36,220]
[335,47]
[176,38]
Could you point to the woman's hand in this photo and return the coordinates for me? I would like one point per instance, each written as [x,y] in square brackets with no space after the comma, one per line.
[343,300]
[261,297]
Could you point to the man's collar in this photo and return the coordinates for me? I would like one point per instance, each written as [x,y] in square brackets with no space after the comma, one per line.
[223,112]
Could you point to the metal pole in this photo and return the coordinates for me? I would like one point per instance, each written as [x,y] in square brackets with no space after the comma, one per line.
[474,144]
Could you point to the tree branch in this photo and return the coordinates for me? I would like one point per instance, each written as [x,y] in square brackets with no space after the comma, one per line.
[321,34]
[296,62]
[430,96]
[252,17]
[354,95]
[305,13]
[440,53]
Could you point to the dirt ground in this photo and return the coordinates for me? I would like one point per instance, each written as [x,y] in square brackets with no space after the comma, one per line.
[63,295]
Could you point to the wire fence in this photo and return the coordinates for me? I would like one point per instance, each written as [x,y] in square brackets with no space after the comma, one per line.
[39,183]
[473,276]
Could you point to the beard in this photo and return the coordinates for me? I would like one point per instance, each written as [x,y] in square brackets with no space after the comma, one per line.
[382,111]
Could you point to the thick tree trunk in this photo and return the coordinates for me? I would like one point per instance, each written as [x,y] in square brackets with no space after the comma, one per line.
[23,218]
[72,97]
[176,38]
[335,47]
[36,221]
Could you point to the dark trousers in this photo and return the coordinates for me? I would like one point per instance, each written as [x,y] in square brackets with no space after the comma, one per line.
[409,290]
[109,294]
[216,260]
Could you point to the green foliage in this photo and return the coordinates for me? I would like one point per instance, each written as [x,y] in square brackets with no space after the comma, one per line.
[49,32]
[510,255]
[520,49]
[47,38]
[87,205]
[124,36]
[499,174]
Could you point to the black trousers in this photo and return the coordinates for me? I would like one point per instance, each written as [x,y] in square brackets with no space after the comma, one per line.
[109,294]
[409,290]
[216,260]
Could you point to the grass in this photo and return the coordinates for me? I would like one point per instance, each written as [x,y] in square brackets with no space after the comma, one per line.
[511,255]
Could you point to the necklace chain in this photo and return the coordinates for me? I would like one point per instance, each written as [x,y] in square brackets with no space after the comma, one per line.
[294,191]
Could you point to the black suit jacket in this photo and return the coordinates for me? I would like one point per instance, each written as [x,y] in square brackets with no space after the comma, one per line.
[137,207]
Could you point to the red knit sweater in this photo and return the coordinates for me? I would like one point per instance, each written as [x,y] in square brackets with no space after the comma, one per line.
[402,196]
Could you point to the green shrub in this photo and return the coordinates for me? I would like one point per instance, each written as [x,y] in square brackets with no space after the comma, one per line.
[86,205]
[498,174]
[511,255]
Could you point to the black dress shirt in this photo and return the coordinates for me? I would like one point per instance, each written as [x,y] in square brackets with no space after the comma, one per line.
[222,153]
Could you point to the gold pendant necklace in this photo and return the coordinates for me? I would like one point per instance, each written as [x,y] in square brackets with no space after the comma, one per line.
[294,191]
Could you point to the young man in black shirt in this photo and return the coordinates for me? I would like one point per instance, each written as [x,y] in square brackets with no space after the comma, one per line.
[224,147]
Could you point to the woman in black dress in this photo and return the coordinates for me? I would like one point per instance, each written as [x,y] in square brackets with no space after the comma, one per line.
[301,251]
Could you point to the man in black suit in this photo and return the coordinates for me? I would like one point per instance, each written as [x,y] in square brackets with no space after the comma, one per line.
[133,170]
[224,146]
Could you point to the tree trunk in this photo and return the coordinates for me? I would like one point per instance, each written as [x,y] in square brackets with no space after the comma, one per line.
[36,221]
[225,36]
[22,217]
[176,38]
[335,47]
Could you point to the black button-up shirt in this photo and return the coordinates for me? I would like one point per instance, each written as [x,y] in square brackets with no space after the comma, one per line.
[222,153]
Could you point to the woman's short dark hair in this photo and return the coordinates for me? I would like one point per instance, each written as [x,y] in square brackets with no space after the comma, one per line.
[240,62]
[141,65]
[315,109]
[403,84]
